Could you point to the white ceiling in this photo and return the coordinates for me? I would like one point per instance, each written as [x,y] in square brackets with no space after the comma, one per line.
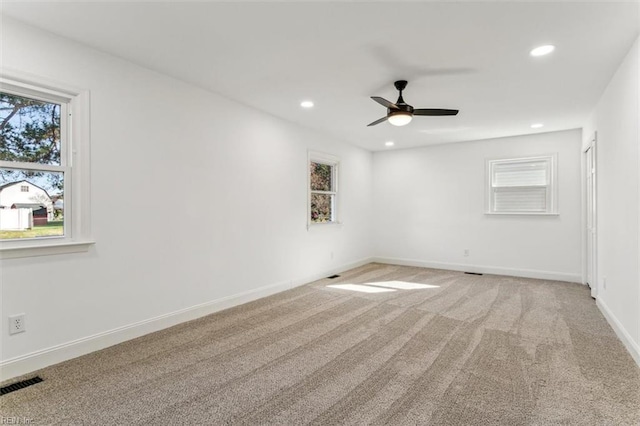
[272,55]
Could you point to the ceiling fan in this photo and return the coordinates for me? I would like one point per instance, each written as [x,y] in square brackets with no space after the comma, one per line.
[402,113]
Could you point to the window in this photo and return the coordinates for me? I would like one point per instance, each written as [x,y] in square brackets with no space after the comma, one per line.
[323,189]
[44,168]
[522,186]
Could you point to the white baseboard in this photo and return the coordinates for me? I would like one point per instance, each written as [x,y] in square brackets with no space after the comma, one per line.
[496,270]
[623,335]
[33,361]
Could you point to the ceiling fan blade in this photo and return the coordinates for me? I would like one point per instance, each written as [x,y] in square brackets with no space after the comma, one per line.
[384,102]
[378,121]
[434,111]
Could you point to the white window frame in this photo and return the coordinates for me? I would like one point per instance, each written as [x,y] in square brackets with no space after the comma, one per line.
[75,163]
[334,162]
[551,185]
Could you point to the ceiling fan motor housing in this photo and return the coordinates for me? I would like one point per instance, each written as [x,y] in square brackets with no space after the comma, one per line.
[402,109]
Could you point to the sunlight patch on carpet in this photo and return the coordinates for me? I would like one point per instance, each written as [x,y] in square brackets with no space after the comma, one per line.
[383,286]
[403,285]
[361,288]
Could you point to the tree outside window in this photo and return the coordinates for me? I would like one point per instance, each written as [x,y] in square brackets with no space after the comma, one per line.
[322,191]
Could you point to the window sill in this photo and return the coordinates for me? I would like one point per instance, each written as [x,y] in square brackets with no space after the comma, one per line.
[44,249]
[520,214]
[324,225]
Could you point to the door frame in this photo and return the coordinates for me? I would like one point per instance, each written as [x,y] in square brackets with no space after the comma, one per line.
[593,256]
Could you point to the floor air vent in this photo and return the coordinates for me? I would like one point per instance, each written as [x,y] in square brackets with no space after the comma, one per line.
[473,273]
[333,276]
[20,385]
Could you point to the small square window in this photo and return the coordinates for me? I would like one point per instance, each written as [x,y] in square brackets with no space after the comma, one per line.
[522,186]
[24,188]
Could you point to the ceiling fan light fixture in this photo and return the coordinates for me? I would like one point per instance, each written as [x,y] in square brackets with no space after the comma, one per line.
[400,118]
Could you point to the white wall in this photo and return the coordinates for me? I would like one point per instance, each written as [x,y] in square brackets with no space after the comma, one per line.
[429,205]
[232,179]
[616,120]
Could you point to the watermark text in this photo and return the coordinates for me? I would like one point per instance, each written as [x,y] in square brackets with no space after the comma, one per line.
[15,420]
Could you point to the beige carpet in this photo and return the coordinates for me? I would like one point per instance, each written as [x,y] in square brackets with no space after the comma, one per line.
[459,350]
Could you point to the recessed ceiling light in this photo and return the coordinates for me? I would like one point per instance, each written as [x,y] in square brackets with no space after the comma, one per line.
[542,50]
[537,125]
[389,143]
[306,104]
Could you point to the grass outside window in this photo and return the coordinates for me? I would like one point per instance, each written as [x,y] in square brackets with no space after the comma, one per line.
[51,229]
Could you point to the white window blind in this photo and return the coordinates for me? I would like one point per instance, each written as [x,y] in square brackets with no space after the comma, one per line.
[522,185]
[523,173]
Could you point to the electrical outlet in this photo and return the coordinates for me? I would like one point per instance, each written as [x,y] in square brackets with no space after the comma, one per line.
[17,324]
[466,252]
